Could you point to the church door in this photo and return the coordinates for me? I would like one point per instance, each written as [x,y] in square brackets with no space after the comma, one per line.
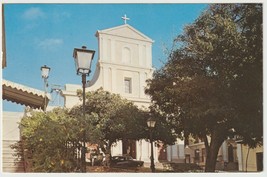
[162,151]
[230,153]
[129,147]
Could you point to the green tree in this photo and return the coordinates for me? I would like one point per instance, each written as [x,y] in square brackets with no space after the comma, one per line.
[211,86]
[50,140]
[111,118]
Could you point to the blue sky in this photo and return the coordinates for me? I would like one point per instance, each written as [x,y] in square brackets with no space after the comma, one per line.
[46,34]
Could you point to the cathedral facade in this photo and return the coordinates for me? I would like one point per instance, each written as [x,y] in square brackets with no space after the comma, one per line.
[124,64]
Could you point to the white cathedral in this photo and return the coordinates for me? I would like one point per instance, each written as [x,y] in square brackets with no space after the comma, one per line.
[124,64]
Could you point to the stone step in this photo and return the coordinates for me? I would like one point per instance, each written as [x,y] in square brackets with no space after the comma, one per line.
[13,164]
[15,158]
[9,160]
[158,165]
[6,150]
[13,161]
[13,169]
[8,142]
[9,154]
[10,163]
[6,146]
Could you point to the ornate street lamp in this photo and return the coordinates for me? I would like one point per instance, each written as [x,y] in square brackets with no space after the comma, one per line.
[151,124]
[45,74]
[83,59]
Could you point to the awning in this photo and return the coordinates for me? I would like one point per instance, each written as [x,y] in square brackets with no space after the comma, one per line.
[24,95]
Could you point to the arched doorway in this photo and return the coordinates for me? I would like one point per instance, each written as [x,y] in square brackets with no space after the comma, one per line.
[129,147]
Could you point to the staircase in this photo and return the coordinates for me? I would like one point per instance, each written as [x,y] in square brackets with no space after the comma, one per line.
[10,163]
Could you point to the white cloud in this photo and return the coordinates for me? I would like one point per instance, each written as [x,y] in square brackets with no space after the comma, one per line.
[33,13]
[59,15]
[50,43]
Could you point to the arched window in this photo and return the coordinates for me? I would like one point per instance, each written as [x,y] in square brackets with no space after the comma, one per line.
[126,55]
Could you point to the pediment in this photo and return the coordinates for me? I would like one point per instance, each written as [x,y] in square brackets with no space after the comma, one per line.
[126,31]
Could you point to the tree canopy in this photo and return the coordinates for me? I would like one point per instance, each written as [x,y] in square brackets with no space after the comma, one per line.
[112,118]
[53,140]
[48,142]
[211,84]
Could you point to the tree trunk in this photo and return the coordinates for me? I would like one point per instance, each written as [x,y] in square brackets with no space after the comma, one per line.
[211,160]
[212,151]
[108,155]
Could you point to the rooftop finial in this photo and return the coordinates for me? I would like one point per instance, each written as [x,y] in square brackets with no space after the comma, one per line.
[125,19]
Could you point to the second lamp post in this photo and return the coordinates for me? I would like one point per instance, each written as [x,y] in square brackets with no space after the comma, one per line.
[45,74]
[151,124]
[83,60]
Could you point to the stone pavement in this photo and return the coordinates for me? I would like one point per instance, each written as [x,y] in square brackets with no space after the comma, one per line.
[160,167]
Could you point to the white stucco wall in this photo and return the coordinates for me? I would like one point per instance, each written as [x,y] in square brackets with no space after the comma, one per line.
[10,126]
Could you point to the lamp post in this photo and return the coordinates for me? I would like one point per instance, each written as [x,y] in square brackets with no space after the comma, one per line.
[45,74]
[83,59]
[151,124]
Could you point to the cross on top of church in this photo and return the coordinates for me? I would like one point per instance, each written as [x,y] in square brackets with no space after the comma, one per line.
[125,19]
